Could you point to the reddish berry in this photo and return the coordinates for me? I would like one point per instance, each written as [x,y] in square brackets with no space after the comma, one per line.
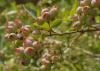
[19,50]
[28,42]
[18,22]
[10,26]
[29,50]
[85,9]
[46,15]
[25,29]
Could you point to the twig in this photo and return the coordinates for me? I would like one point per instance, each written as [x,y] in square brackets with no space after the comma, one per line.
[49,28]
[90,54]
[78,31]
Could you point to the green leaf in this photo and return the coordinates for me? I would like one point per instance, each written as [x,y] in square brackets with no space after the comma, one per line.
[56,23]
[74,7]
[30,11]
[13,6]
[45,26]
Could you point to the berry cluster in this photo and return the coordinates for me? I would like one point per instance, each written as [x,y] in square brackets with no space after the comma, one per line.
[32,47]
[85,13]
[47,14]
[29,45]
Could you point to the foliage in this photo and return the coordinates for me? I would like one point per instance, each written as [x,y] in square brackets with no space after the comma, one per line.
[50,35]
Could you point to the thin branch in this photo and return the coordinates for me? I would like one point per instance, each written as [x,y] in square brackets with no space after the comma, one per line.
[49,28]
[78,31]
[89,53]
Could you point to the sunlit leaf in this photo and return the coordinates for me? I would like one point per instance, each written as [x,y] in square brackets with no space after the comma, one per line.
[30,11]
[56,23]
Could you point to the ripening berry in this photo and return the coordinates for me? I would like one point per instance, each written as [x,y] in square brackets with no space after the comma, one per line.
[28,42]
[46,15]
[44,10]
[10,23]
[20,36]
[37,44]
[36,32]
[9,29]
[26,29]
[95,2]
[19,50]
[76,25]
[79,10]
[45,61]
[18,22]
[11,36]
[29,50]
[39,20]
[75,17]
[10,26]
[85,9]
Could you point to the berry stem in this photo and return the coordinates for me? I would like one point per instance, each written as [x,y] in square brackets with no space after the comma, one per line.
[78,31]
[49,28]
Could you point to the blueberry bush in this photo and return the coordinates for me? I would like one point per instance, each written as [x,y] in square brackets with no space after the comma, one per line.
[49,35]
